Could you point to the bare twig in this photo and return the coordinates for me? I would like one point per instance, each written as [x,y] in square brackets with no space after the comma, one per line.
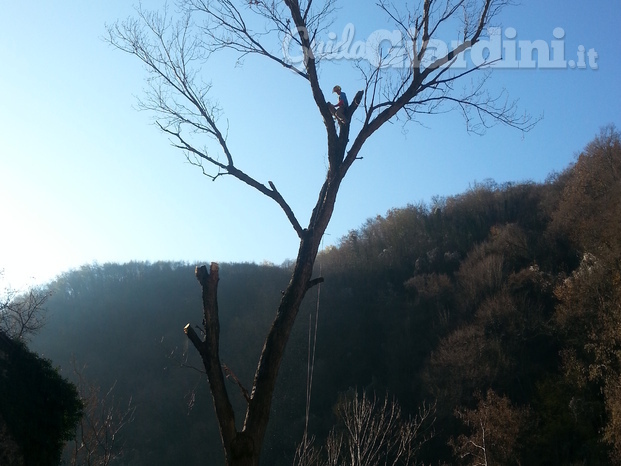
[22,314]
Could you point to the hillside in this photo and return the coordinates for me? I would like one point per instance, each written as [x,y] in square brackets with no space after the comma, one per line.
[502,305]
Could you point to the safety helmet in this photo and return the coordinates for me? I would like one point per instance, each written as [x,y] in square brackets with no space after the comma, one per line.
[337,88]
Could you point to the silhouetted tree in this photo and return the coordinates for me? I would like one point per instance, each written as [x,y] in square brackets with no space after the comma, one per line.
[22,314]
[172,51]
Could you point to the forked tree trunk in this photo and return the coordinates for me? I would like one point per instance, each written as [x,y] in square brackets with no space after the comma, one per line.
[243,448]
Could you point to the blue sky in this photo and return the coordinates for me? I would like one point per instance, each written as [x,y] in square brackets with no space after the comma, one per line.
[85,177]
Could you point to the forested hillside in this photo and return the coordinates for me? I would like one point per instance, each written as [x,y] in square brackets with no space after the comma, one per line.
[501,305]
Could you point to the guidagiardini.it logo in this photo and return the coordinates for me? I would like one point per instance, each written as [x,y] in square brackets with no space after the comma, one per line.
[394,49]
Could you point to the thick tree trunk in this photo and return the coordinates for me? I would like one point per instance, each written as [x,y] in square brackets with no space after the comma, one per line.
[243,451]
[258,413]
[244,461]
[244,448]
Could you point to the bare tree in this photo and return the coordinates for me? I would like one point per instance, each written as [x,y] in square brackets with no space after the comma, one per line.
[494,427]
[370,431]
[96,440]
[174,52]
[376,432]
[22,313]
[307,454]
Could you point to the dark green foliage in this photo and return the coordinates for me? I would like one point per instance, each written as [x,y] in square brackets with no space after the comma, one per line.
[38,407]
[502,302]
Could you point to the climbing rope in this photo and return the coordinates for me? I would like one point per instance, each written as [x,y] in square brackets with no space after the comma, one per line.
[312,346]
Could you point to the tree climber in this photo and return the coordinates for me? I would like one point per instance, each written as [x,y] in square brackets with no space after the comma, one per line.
[338,110]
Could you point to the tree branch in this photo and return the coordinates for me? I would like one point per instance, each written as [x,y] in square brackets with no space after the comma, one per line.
[311,70]
[285,207]
[209,349]
[428,79]
[314,282]
[231,375]
[225,16]
[169,60]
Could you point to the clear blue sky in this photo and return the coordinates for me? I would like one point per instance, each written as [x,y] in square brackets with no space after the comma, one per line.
[85,178]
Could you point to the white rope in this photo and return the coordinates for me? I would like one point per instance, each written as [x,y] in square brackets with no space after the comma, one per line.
[310,369]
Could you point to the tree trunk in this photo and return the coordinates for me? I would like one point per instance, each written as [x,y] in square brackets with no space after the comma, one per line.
[244,448]
[243,451]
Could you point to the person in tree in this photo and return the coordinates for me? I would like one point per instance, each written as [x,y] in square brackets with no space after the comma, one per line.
[338,110]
